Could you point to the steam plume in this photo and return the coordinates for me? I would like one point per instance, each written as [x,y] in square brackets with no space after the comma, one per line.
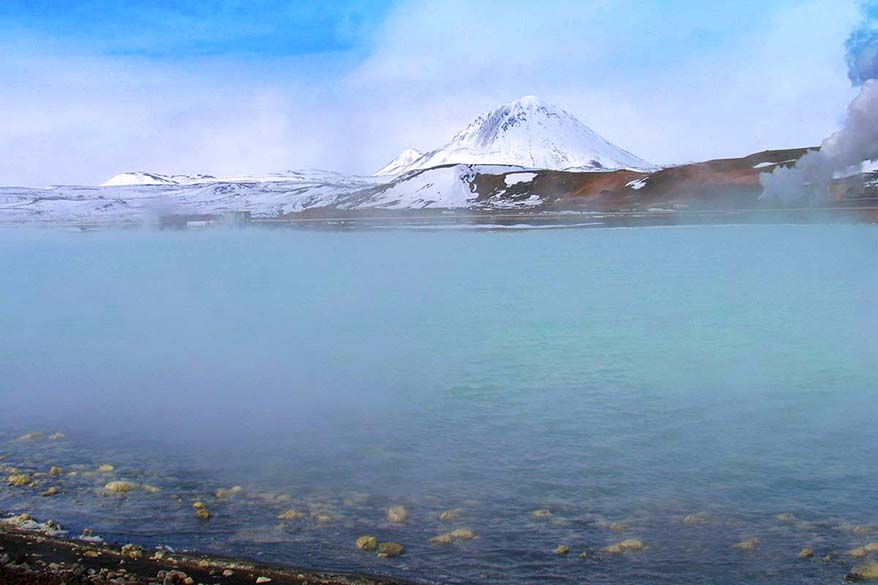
[855,142]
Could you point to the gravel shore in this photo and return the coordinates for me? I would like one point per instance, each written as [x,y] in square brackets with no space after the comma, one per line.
[29,558]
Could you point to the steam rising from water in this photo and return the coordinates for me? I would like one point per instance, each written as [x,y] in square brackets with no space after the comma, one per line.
[855,142]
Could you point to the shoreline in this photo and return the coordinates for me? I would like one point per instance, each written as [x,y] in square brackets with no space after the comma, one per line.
[34,558]
[485,219]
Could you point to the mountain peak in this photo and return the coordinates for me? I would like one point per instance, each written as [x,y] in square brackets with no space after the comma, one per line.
[531,133]
[405,158]
[528,101]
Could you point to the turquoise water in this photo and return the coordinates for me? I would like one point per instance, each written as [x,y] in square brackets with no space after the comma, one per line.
[628,376]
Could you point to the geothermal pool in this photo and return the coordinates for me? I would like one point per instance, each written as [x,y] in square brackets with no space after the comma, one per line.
[689,388]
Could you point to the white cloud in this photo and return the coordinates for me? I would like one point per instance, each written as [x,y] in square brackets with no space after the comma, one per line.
[663,80]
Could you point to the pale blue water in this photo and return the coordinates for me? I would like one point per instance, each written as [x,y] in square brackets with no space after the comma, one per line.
[619,375]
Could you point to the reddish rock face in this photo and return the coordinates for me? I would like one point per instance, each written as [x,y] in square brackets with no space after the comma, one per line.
[717,184]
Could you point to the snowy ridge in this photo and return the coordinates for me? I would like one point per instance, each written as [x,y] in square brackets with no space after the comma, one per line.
[528,133]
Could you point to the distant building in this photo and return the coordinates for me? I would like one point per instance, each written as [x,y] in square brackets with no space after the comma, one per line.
[237,218]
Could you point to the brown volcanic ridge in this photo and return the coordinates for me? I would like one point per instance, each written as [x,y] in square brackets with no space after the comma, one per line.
[712,185]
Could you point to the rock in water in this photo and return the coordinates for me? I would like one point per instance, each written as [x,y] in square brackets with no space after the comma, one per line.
[749,544]
[397,514]
[105,468]
[450,515]
[367,543]
[291,515]
[390,549]
[202,513]
[806,553]
[120,487]
[18,479]
[454,535]
[866,571]
[695,519]
[541,513]
[562,549]
[625,545]
[862,551]
[55,471]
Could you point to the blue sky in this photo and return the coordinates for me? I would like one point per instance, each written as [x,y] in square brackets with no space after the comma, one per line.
[92,88]
[176,30]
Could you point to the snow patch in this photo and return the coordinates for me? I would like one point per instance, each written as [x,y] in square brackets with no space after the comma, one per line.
[769,163]
[516,178]
[637,184]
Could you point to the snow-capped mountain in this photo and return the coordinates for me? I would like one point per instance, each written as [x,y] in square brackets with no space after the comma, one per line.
[394,167]
[528,133]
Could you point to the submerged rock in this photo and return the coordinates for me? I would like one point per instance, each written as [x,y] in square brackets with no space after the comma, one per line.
[862,551]
[291,515]
[618,527]
[625,545]
[454,535]
[49,492]
[390,549]
[19,479]
[201,511]
[120,487]
[30,437]
[695,519]
[786,517]
[806,553]
[397,514]
[55,471]
[864,572]
[224,493]
[543,513]
[323,518]
[450,515]
[562,549]
[151,489]
[106,468]
[367,543]
[749,544]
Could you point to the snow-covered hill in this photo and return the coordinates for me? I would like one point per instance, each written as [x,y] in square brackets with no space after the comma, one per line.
[529,133]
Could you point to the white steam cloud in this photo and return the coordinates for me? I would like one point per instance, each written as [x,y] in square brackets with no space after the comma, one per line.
[855,142]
